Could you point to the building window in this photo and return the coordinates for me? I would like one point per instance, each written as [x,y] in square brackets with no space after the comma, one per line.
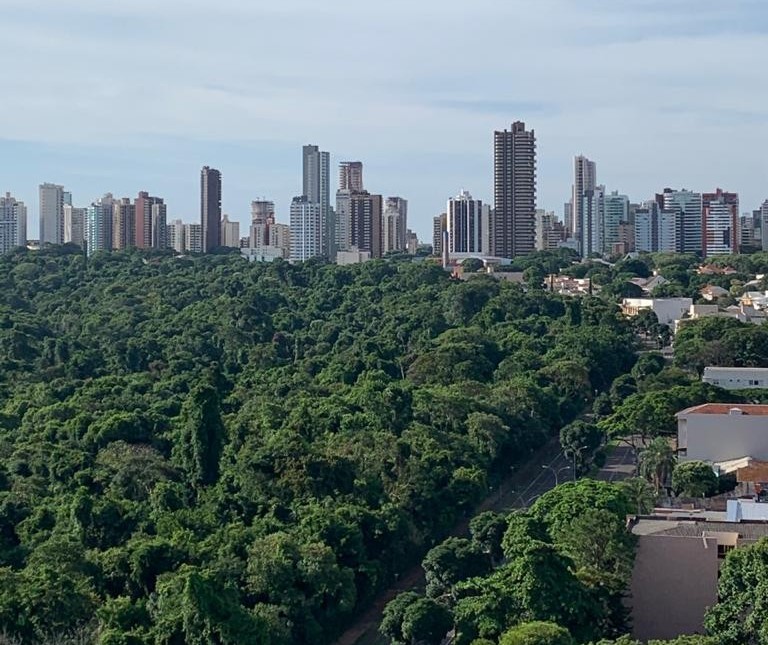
[722,550]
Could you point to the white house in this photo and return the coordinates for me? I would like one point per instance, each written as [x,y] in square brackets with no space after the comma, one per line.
[719,432]
[667,310]
[736,378]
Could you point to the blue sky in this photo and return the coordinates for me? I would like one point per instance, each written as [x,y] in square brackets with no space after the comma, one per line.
[132,95]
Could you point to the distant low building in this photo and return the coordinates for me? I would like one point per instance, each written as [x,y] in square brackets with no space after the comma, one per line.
[713,292]
[667,310]
[736,378]
[353,256]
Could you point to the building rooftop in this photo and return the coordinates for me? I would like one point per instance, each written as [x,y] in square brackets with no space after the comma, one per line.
[696,527]
[737,369]
[727,409]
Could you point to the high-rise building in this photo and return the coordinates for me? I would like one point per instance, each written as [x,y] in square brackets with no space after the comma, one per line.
[764,224]
[514,217]
[395,224]
[193,238]
[549,231]
[123,224]
[175,236]
[467,222]
[230,233]
[568,216]
[262,210]
[411,242]
[590,222]
[439,226]
[584,181]
[150,216]
[210,208]
[720,223]
[13,223]
[99,218]
[74,225]
[688,205]
[306,229]
[280,237]
[351,176]
[316,183]
[366,227]
[656,230]
[615,211]
[51,214]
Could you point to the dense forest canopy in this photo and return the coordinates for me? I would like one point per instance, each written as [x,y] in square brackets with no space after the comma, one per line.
[201,450]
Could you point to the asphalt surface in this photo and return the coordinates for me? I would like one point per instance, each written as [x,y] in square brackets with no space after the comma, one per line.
[619,465]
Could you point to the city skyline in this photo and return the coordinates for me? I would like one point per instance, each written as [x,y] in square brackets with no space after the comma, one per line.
[423,113]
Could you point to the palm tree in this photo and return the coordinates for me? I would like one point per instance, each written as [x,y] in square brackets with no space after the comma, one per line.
[657,462]
[640,493]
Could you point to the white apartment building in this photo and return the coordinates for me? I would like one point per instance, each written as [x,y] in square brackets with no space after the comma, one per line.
[74,225]
[13,223]
[193,238]
[230,232]
[52,200]
[99,218]
[306,229]
[467,222]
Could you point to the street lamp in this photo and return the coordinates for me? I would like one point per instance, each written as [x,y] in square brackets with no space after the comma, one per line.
[555,472]
[575,452]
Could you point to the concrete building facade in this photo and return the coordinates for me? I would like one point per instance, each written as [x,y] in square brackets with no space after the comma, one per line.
[13,223]
[51,214]
[720,223]
[366,223]
[736,378]
[306,229]
[584,182]
[99,218]
[210,208]
[514,217]
[394,224]
[74,225]
[716,432]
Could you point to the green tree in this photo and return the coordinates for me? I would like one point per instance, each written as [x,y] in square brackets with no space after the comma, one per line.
[426,621]
[739,617]
[694,479]
[657,462]
[450,562]
[537,633]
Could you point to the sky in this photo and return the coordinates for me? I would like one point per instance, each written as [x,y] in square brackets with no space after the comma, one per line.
[132,95]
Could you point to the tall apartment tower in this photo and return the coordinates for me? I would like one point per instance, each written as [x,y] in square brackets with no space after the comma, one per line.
[591,212]
[689,207]
[13,223]
[306,229]
[316,188]
[123,224]
[656,229]
[99,217]
[584,181]
[439,226]
[74,225]
[615,212]
[763,216]
[51,214]
[720,223]
[514,218]
[151,214]
[366,227]
[230,233]
[262,219]
[210,208]
[351,176]
[395,224]
[467,222]
[175,236]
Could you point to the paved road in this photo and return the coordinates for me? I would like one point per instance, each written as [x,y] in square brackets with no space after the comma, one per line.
[619,465]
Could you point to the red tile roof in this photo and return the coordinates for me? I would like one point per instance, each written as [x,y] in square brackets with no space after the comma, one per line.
[725,408]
